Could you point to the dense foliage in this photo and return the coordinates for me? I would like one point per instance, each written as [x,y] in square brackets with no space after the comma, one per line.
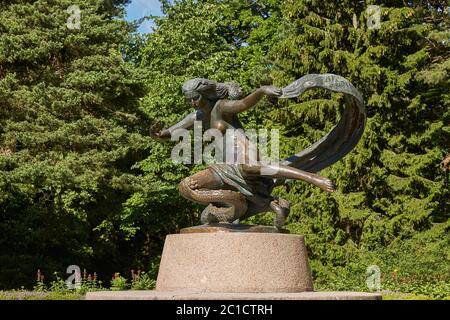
[82,183]
[69,136]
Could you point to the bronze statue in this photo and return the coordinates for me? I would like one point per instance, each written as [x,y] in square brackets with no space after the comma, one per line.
[234,192]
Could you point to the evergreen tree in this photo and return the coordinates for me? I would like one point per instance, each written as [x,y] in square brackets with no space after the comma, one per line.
[82,183]
[392,196]
[390,187]
[212,39]
[69,134]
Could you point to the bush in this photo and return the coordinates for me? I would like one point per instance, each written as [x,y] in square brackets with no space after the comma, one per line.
[118,282]
[142,281]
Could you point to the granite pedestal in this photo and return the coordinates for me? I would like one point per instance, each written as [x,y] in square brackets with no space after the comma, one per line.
[216,263]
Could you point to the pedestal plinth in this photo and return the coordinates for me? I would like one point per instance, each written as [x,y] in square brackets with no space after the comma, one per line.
[234,262]
[229,262]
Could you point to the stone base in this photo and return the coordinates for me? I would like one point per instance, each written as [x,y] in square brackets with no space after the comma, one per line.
[224,262]
[221,263]
[234,262]
[186,295]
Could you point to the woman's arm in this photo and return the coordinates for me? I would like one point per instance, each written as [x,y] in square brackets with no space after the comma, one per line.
[236,106]
[186,123]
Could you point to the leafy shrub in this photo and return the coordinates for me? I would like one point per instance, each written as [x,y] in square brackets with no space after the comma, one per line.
[118,282]
[142,281]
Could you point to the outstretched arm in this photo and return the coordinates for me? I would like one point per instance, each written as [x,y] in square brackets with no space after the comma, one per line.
[186,123]
[236,106]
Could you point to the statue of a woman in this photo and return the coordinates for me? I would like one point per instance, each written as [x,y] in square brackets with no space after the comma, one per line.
[237,191]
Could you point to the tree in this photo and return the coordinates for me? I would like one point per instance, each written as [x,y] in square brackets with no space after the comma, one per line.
[194,38]
[390,187]
[82,183]
[70,130]
[392,195]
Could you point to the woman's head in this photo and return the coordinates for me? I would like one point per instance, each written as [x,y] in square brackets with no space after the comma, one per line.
[200,91]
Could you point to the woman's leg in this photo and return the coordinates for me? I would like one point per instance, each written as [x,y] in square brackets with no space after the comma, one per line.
[281,171]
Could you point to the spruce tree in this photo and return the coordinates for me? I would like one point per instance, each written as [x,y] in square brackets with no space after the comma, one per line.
[211,39]
[74,188]
[392,199]
[390,188]
[69,134]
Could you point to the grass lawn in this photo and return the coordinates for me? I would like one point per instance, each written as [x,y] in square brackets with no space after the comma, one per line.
[31,295]
[409,296]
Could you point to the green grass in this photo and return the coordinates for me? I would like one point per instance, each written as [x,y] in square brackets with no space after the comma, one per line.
[409,296]
[30,295]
